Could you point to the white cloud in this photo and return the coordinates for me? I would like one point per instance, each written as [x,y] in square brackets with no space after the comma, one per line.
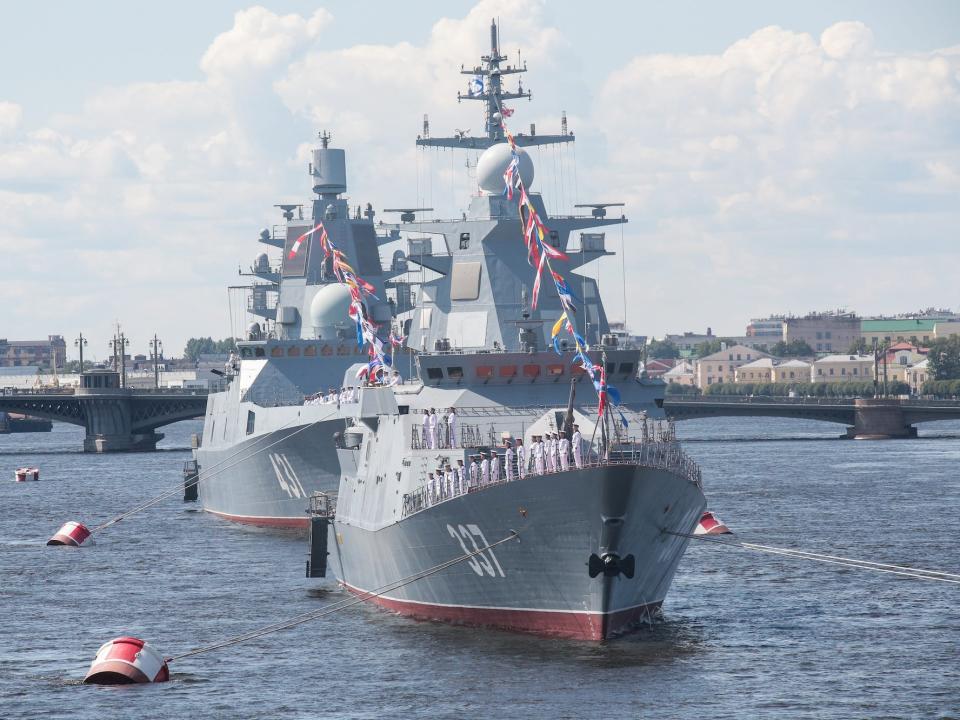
[800,163]
[10,115]
[773,172]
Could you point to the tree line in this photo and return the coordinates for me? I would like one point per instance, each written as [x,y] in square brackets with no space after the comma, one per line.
[207,346]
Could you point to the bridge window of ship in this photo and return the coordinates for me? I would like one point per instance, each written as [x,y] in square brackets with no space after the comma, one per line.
[485,371]
[276,352]
[293,352]
[611,368]
[455,372]
[435,373]
[464,241]
[531,371]
[310,351]
[626,368]
[260,352]
[251,421]
[245,352]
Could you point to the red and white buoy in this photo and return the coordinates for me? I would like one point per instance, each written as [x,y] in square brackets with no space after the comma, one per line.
[26,473]
[127,660]
[710,524]
[72,534]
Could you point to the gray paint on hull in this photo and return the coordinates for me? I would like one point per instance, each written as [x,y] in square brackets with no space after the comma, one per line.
[546,570]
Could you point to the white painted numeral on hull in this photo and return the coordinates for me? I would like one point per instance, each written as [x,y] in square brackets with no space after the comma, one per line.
[480,563]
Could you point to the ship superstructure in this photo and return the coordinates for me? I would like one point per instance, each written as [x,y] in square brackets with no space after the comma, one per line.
[270,427]
[425,465]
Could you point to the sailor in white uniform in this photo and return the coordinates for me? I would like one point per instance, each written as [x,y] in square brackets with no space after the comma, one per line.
[494,466]
[564,448]
[461,476]
[452,425]
[537,452]
[425,439]
[474,472]
[432,428]
[521,459]
[508,459]
[485,469]
[431,488]
[577,447]
[395,378]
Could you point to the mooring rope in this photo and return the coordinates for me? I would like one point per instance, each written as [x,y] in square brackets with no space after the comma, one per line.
[340,604]
[180,487]
[902,570]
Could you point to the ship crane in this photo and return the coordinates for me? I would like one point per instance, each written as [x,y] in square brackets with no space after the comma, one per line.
[599,209]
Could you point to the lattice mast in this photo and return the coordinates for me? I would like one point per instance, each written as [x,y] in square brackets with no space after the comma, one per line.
[493,93]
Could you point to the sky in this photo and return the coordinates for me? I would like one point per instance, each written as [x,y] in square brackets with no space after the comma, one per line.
[773,157]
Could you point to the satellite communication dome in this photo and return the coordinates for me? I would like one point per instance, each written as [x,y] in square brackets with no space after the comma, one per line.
[261,262]
[329,307]
[493,163]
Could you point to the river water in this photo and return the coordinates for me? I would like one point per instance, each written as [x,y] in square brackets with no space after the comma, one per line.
[743,635]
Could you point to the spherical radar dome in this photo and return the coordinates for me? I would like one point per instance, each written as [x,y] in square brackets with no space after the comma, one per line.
[493,163]
[330,305]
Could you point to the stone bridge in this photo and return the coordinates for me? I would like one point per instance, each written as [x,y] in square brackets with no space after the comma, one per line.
[865,417]
[116,419]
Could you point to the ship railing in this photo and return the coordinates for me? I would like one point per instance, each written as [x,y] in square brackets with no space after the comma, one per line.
[441,486]
[445,437]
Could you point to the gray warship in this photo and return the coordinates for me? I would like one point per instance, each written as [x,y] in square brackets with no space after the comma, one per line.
[265,446]
[596,530]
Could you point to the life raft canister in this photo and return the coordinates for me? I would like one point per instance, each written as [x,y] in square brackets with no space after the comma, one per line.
[125,661]
[72,534]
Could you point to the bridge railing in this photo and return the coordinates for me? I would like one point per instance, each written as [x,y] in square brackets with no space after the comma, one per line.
[759,400]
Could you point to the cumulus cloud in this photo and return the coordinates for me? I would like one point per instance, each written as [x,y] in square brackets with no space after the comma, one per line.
[768,177]
[10,114]
[784,168]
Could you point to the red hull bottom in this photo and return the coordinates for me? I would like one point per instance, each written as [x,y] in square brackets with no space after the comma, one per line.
[293,523]
[551,623]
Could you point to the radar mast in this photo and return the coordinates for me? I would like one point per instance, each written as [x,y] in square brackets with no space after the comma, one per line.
[486,85]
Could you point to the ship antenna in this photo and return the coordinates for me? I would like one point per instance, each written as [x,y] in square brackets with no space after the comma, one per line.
[325,139]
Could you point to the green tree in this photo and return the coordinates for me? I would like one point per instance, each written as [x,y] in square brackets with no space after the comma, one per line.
[858,347]
[794,348]
[709,347]
[207,346]
[662,350]
[944,358]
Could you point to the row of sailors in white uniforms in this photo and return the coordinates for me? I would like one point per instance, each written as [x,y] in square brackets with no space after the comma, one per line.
[552,454]
[346,395]
[433,438]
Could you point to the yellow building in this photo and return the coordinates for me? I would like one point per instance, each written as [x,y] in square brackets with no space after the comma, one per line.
[771,370]
[917,375]
[842,368]
[721,367]
[946,328]
[680,374]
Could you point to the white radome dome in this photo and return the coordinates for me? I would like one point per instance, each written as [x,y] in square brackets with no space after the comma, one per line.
[329,308]
[493,163]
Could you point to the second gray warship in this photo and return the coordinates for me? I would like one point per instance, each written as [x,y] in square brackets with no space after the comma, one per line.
[574,512]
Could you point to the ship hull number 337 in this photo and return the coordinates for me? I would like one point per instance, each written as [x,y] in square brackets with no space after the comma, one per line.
[471,539]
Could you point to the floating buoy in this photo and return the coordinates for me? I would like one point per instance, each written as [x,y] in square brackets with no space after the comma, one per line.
[710,524]
[127,660]
[72,534]
[26,473]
